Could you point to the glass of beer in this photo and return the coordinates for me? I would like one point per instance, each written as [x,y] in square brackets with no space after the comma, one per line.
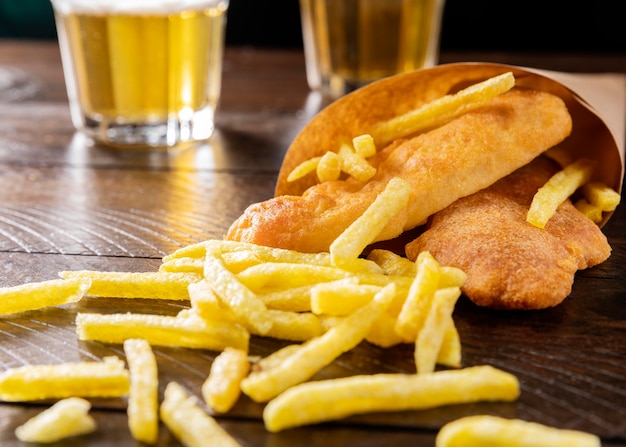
[142,73]
[349,43]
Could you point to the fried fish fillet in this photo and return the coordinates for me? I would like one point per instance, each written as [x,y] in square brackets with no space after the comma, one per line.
[457,159]
[511,264]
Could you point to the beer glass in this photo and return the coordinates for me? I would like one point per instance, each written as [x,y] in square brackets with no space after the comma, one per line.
[142,73]
[349,43]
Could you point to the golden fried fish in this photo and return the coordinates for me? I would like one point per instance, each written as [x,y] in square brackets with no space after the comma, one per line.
[457,159]
[511,264]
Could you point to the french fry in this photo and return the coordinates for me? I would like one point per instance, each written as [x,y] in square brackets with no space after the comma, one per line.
[318,352]
[108,378]
[295,299]
[270,254]
[286,325]
[484,430]
[451,276]
[154,285]
[42,294]
[341,297]
[189,423]
[556,190]
[391,263]
[601,195]
[183,265]
[441,110]
[418,301]
[143,403]
[450,352]
[333,399]
[436,323]
[160,330]
[240,299]
[364,230]
[383,332]
[65,419]
[304,168]
[279,275]
[593,212]
[221,389]
[236,261]
[197,250]
[364,145]
[354,164]
[329,167]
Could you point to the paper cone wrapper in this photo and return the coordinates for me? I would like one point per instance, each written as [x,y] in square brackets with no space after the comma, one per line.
[600,138]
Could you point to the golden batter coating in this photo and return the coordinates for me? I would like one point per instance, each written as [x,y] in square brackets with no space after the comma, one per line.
[447,163]
[511,264]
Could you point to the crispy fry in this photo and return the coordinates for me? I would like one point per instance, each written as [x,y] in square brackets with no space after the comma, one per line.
[271,254]
[274,275]
[304,168]
[450,352]
[156,285]
[143,399]
[189,423]
[441,110]
[197,250]
[67,418]
[221,389]
[601,195]
[239,298]
[556,190]
[364,145]
[364,230]
[383,332]
[108,378]
[263,385]
[593,212]
[391,263]
[483,430]
[341,297]
[183,265]
[436,323]
[38,295]
[415,308]
[286,325]
[329,167]
[325,400]
[295,299]
[160,330]
[355,165]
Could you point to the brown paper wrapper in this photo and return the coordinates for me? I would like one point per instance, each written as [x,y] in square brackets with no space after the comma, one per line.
[593,136]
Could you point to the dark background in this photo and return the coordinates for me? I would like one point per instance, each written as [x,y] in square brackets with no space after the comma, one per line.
[491,25]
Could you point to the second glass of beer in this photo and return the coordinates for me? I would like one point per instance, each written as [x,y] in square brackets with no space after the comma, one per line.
[349,43]
[142,73]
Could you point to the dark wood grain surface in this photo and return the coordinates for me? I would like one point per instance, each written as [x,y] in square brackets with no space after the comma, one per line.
[66,204]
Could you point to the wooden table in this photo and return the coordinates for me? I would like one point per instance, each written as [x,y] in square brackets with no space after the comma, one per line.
[65,204]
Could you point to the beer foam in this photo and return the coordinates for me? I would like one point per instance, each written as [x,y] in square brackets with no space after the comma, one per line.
[135,6]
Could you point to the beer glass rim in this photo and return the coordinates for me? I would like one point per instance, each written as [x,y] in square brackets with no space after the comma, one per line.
[134,6]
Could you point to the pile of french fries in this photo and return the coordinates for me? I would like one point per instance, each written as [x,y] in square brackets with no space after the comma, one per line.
[322,304]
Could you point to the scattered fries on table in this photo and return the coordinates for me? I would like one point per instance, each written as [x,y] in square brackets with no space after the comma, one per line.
[143,398]
[38,295]
[483,430]
[67,418]
[108,378]
[325,304]
[190,424]
[326,400]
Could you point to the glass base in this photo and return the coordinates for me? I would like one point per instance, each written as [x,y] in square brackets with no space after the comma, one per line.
[150,134]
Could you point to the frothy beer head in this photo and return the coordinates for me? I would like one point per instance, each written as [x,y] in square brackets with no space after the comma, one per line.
[134,6]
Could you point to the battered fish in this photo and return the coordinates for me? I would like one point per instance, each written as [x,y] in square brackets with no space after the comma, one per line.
[511,264]
[452,161]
